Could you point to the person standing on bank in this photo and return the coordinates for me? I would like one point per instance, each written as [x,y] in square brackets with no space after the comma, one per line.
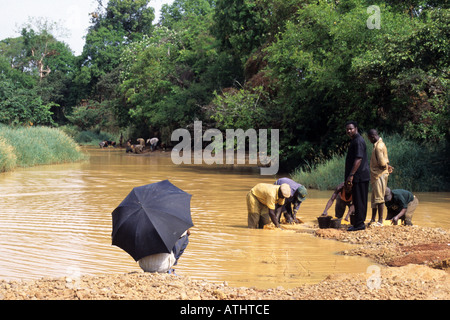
[379,173]
[357,173]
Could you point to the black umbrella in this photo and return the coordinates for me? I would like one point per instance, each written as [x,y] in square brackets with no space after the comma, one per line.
[151,219]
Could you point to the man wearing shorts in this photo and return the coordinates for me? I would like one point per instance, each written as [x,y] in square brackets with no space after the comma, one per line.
[379,163]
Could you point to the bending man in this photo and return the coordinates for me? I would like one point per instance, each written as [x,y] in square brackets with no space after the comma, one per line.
[262,201]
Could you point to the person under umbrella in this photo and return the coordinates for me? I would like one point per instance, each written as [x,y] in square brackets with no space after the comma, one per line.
[151,224]
[164,262]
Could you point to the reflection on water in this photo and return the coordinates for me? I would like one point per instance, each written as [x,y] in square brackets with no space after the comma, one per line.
[56,221]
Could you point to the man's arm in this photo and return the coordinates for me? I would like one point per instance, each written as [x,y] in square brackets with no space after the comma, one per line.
[355,168]
[273,214]
[333,197]
[329,204]
[381,160]
[400,214]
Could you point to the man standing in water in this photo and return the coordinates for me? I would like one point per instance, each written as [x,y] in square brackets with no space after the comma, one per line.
[357,174]
[292,203]
[379,173]
[262,201]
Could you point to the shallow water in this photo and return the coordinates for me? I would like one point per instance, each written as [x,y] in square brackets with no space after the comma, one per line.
[56,221]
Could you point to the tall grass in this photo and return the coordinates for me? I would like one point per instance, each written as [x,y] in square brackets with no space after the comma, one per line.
[30,146]
[417,167]
[8,159]
[322,176]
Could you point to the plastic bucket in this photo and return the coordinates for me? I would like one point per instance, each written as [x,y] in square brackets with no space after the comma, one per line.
[324,222]
[335,223]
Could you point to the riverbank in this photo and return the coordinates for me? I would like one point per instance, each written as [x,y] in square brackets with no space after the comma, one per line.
[31,146]
[410,263]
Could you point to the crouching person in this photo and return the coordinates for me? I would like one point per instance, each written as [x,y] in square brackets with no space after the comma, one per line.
[164,262]
[401,205]
[264,204]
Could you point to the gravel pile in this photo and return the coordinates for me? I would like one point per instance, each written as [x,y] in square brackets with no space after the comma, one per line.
[420,256]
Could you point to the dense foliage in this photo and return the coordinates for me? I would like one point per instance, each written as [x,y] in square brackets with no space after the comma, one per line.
[302,66]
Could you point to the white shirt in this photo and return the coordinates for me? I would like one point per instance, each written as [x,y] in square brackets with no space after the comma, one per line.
[159,262]
[153,140]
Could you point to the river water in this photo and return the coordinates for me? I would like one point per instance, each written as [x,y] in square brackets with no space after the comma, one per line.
[55,221]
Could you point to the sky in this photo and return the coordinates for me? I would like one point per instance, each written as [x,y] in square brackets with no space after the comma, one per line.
[72,15]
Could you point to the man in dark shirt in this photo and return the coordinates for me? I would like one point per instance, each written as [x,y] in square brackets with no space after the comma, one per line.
[400,204]
[357,173]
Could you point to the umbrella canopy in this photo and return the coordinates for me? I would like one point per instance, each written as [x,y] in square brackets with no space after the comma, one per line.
[151,219]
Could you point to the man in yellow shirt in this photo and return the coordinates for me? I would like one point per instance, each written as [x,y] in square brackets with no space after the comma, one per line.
[379,173]
[262,202]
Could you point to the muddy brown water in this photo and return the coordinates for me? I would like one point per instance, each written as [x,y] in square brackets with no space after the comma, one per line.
[55,221]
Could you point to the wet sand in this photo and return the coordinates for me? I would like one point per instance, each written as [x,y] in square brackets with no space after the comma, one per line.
[410,263]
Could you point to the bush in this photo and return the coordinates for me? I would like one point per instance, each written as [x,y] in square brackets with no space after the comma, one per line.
[87,137]
[418,166]
[93,138]
[37,145]
[323,176]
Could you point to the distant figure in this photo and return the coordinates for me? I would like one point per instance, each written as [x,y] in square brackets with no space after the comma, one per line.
[129,147]
[164,262]
[153,142]
[343,196]
[400,204]
[141,142]
[138,148]
[262,201]
[106,143]
[292,203]
[379,173]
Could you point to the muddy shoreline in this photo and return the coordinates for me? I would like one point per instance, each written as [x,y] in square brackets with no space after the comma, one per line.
[410,263]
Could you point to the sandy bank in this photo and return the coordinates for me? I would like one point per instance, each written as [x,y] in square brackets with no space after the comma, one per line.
[409,263]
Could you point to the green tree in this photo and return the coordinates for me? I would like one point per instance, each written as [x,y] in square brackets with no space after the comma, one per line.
[169,76]
[133,18]
[22,106]
[330,67]
[37,72]
[113,27]
[180,9]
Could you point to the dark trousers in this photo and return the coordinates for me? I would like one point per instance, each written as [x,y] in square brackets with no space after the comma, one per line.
[179,247]
[360,192]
